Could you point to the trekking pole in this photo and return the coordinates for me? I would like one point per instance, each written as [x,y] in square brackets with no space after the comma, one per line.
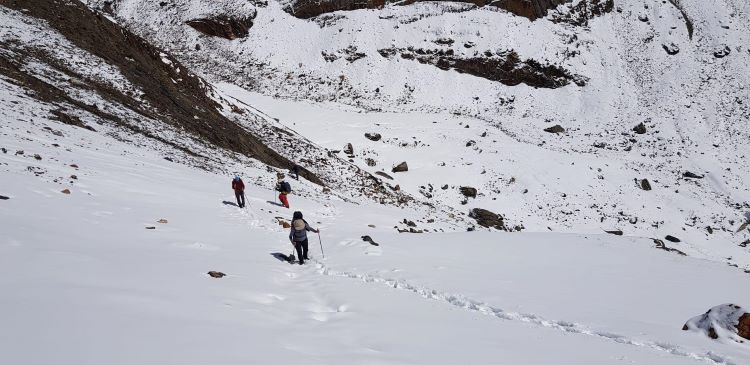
[321,245]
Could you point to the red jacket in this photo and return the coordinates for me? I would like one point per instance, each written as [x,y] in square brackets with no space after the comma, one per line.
[238,185]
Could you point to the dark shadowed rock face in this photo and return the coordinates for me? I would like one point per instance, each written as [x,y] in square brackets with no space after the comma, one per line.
[532,9]
[504,67]
[223,26]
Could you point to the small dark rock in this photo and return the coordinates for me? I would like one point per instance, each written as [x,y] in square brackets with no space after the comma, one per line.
[402,167]
[615,232]
[349,149]
[745,243]
[3,197]
[373,136]
[640,128]
[169,159]
[216,274]
[691,175]
[150,227]
[555,129]
[369,239]
[468,191]
[671,238]
[645,185]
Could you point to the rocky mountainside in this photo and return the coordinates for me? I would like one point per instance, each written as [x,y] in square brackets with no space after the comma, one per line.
[80,68]
[582,115]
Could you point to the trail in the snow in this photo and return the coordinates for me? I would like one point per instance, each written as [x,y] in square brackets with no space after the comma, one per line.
[460,301]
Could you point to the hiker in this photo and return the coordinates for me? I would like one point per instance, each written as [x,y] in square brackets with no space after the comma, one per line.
[239,191]
[295,171]
[284,189]
[298,235]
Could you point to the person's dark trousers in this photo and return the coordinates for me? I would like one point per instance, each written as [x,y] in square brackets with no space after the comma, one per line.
[301,247]
[240,195]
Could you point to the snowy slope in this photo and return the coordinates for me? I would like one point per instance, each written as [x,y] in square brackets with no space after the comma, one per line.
[91,275]
[584,180]
[87,283]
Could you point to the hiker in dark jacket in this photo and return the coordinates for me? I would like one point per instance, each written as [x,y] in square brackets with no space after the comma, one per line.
[239,191]
[295,171]
[298,235]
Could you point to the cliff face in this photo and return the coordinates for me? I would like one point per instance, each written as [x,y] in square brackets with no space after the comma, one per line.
[532,9]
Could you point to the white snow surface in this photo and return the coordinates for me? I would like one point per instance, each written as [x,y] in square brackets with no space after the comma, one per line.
[86,283]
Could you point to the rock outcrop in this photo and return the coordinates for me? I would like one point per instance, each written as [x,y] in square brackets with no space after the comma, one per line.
[505,67]
[223,26]
[488,219]
[402,167]
[532,9]
[726,321]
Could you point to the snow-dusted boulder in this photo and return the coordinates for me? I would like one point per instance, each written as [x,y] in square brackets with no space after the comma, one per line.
[726,321]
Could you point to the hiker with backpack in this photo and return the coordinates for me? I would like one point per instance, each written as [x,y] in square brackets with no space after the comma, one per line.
[298,235]
[239,191]
[284,189]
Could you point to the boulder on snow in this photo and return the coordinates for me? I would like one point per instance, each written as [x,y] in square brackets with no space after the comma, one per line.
[216,274]
[3,197]
[349,149]
[373,136]
[726,321]
[283,223]
[162,221]
[223,26]
[369,239]
[468,191]
[671,238]
[722,52]
[65,191]
[487,219]
[640,128]
[671,48]
[691,175]
[616,232]
[645,185]
[402,167]
[555,129]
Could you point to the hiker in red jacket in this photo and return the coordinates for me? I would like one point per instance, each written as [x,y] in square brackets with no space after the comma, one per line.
[284,189]
[239,191]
